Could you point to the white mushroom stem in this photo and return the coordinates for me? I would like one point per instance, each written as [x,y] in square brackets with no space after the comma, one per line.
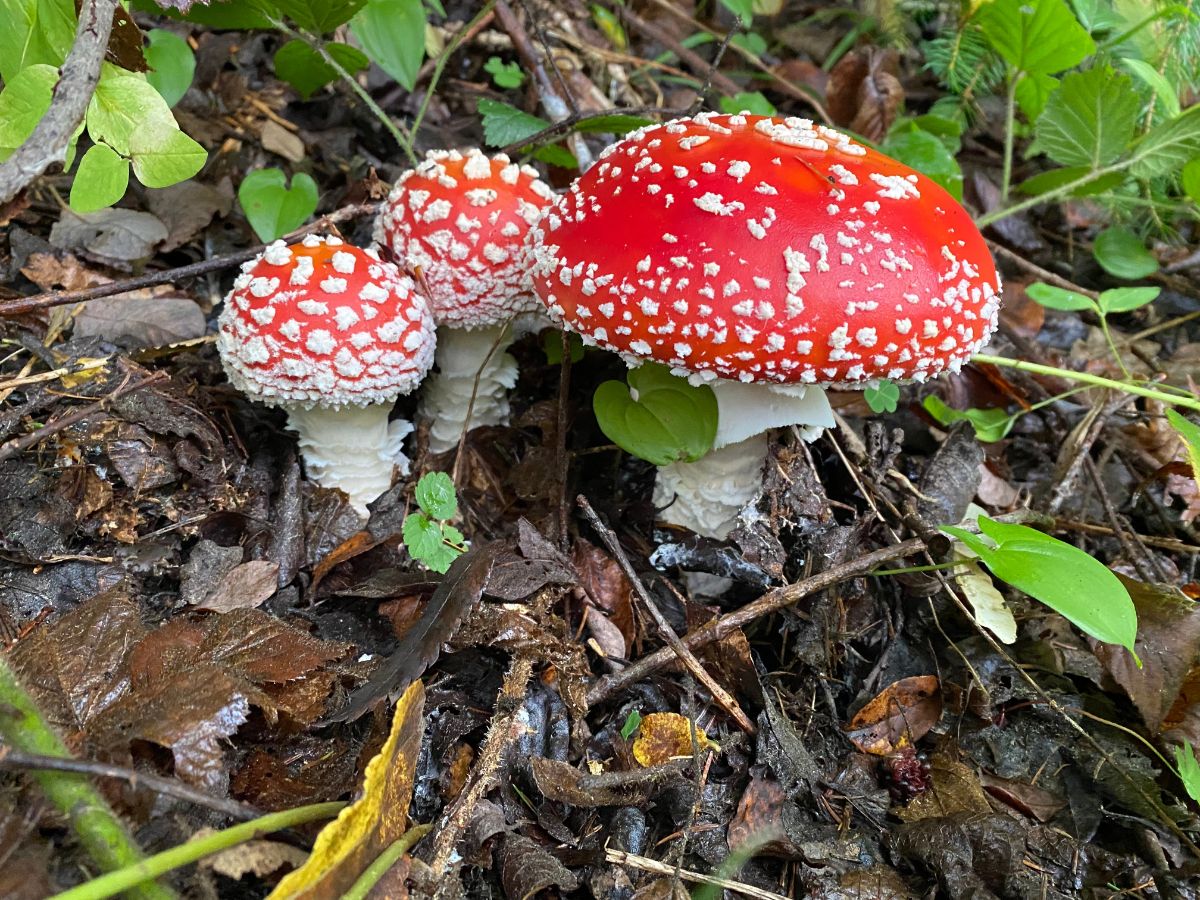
[706,496]
[468,363]
[354,448]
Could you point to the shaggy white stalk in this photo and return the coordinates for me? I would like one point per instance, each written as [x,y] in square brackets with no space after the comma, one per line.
[706,496]
[446,394]
[354,448]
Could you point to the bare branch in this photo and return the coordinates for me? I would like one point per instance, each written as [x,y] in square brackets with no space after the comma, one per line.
[81,71]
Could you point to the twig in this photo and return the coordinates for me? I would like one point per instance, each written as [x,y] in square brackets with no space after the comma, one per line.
[98,828]
[646,864]
[692,59]
[560,440]
[571,121]
[676,645]
[11,758]
[203,267]
[467,32]
[1163,543]
[1044,274]
[48,142]
[768,603]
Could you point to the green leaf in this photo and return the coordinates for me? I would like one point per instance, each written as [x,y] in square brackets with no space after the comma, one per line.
[272,208]
[749,101]
[1121,252]
[426,541]
[393,34]
[1090,119]
[34,32]
[670,420]
[505,75]
[1189,179]
[1035,36]
[318,16]
[556,155]
[125,103]
[882,396]
[1032,93]
[552,346]
[101,179]
[1157,83]
[301,66]
[1056,178]
[610,24]
[227,15]
[1168,147]
[1119,300]
[1190,432]
[743,9]
[435,494]
[928,155]
[990,424]
[1063,577]
[172,64]
[23,102]
[163,158]
[752,42]
[1189,770]
[504,124]
[1053,297]
[633,721]
[617,123]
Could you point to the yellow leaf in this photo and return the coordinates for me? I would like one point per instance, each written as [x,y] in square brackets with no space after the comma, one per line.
[664,736]
[346,846]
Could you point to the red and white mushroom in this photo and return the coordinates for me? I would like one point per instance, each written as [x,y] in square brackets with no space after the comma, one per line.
[462,219]
[332,335]
[766,257]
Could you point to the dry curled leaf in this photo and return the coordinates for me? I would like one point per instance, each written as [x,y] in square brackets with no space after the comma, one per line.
[898,717]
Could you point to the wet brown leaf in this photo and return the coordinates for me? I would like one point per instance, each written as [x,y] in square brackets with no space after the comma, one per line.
[664,736]
[358,543]
[248,585]
[1035,802]
[956,789]
[764,819]
[898,717]
[864,93]
[526,868]
[601,576]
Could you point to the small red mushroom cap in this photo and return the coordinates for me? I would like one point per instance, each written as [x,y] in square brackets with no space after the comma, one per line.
[324,323]
[766,250]
[463,218]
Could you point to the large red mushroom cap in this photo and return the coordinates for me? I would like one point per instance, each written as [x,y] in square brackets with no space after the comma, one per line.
[766,250]
[324,323]
[463,218]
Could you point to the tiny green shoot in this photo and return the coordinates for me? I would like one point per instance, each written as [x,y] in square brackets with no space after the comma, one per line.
[427,534]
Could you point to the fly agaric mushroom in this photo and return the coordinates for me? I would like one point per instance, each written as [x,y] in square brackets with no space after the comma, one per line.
[332,335]
[462,219]
[766,257]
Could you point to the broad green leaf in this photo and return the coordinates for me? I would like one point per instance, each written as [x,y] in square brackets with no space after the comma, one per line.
[1097,15]
[1053,297]
[1189,178]
[101,179]
[426,541]
[34,32]
[1121,252]
[435,495]
[750,101]
[1119,300]
[1189,770]
[752,42]
[1035,36]
[505,75]
[617,123]
[393,34]
[1090,119]
[1154,79]
[1063,577]
[272,208]
[301,66]
[163,158]
[928,155]
[318,16]
[1056,178]
[504,124]
[172,64]
[743,9]
[1032,93]
[23,102]
[990,424]
[671,420]
[125,103]
[1190,432]
[556,155]
[882,396]
[1168,147]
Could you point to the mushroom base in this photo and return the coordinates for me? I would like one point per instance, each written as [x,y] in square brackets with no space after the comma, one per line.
[464,360]
[707,495]
[353,448]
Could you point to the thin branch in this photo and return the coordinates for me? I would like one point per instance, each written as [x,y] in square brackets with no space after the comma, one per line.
[80,73]
[571,121]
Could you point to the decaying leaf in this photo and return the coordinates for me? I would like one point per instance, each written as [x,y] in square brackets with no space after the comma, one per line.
[990,608]
[145,318]
[864,93]
[898,717]
[956,789]
[663,736]
[121,235]
[527,868]
[346,846]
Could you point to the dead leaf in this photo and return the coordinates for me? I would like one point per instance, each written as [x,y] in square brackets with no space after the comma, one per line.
[664,736]
[956,789]
[527,869]
[119,235]
[987,603]
[1033,801]
[898,717]
[764,821]
[257,858]
[249,584]
[864,93]
[349,844]
[277,139]
[144,318]
[186,208]
[48,271]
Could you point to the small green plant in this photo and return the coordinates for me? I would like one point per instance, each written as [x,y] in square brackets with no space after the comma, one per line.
[990,424]
[429,537]
[504,75]
[172,64]
[303,67]
[658,417]
[1063,577]
[1190,432]
[751,102]
[882,396]
[633,721]
[274,209]
[1117,300]
[1188,770]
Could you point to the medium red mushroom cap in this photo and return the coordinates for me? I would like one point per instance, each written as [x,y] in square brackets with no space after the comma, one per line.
[463,218]
[324,323]
[766,250]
